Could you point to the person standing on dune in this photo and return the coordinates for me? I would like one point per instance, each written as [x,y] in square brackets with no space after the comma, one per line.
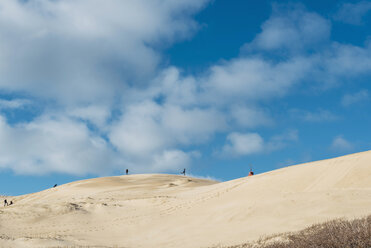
[5,203]
[251,173]
[183,172]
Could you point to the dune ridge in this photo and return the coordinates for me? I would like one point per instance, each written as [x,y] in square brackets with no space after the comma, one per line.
[158,210]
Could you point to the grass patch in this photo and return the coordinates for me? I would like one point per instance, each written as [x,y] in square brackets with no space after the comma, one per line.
[332,234]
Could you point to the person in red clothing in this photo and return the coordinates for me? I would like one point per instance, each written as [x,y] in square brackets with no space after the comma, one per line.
[251,173]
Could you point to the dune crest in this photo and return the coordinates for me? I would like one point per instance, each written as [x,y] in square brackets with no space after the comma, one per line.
[177,211]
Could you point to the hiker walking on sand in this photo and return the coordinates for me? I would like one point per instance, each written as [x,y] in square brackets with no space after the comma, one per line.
[183,172]
[127,171]
[5,203]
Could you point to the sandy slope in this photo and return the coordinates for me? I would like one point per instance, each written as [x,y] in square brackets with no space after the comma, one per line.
[176,211]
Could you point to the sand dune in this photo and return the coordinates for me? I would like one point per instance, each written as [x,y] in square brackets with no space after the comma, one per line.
[176,211]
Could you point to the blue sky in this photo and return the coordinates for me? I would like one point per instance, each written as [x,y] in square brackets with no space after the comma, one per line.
[89,88]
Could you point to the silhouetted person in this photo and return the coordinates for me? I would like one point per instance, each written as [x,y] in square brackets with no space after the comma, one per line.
[127,171]
[55,185]
[183,172]
[5,203]
[11,203]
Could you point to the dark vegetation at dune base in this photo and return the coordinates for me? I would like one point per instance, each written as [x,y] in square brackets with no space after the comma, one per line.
[332,234]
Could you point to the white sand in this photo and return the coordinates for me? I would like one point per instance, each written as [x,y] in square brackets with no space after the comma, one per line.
[176,211]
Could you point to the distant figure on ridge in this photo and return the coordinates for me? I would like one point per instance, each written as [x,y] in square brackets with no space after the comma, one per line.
[6,203]
[55,185]
[251,173]
[127,171]
[11,203]
[183,172]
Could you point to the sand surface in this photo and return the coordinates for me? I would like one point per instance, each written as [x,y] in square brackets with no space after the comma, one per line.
[176,211]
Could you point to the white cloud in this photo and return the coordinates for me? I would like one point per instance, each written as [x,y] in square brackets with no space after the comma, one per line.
[88,56]
[255,77]
[87,50]
[139,132]
[240,80]
[293,29]
[242,144]
[353,13]
[340,144]
[292,32]
[51,144]
[343,63]
[147,127]
[171,160]
[250,117]
[99,63]
[177,89]
[14,103]
[63,144]
[150,135]
[95,114]
[350,99]
[251,79]
[320,115]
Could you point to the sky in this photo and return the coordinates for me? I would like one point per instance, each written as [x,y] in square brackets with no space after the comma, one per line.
[91,88]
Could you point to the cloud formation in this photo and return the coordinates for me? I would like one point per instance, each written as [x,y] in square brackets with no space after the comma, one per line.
[86,50]
[340,144]
[320,115]
[242,144]
[13,104]
[54,144]
[114,104]
[353,13]
[350,99]
[291,29]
